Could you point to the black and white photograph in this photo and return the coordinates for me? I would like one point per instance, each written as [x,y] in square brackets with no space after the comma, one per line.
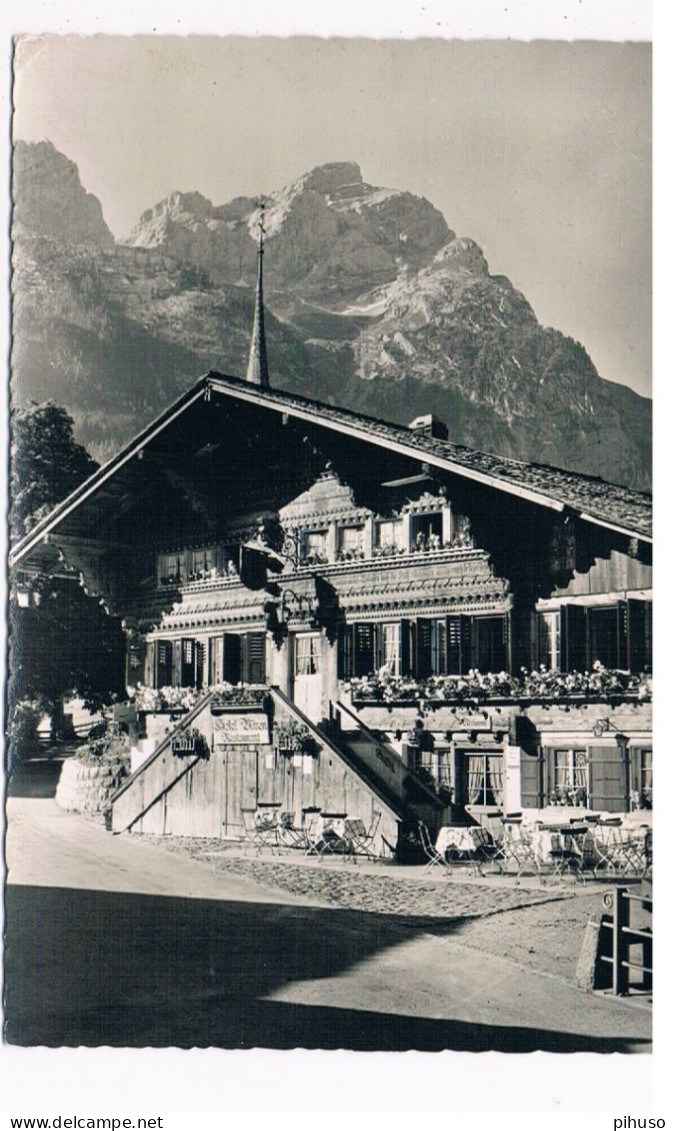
[329,596]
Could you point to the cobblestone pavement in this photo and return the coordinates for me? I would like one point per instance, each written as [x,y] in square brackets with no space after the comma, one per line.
[381,888]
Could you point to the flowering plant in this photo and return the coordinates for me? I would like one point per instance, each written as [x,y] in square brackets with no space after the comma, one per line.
[185,698]
[600,682]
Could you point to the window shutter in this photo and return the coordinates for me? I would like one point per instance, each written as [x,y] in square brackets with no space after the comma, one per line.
[459,644]
[423,649]
[573,638]
[344,655]
[231,658]
[215,660]
[188,652]
[531,780]
[608,778]
[200,674]
[149,668]
[254,657]
[637,635]
[164,651]
[177,666]
[364,645]
[406,647]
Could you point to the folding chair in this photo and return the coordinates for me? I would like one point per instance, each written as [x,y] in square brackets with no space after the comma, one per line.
[519,847]
[435,859]
[312,825]
[629,853]
[260,831]
[288,835]
[362,838]
[567,856]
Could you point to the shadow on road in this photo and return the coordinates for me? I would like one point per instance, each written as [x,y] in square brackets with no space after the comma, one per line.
[107,968]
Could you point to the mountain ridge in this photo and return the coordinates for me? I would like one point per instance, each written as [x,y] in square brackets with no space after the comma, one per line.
[372,302]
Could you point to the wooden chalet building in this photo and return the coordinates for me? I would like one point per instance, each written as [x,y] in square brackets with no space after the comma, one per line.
[329,612]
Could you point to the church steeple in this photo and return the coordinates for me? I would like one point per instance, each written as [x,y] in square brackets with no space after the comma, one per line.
[257,372]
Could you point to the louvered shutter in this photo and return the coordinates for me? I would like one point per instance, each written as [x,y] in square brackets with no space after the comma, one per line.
[254,657]
[459,644]
[406,647]
[164,651]
[345,642]
[423,649]
[637,635]
[573,638]
[608,777]
[188,667]
[364,646]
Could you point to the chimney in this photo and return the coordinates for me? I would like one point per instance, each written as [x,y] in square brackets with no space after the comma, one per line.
[429,425]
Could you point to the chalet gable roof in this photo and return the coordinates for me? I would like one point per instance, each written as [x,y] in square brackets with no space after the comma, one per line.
[617,508]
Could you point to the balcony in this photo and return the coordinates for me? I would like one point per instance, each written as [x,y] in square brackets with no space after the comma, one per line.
[541,686]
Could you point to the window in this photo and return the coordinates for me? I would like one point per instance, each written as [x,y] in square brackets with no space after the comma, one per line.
[427,531]
[484,779]
[203,561]
[307,655]
[389,648]
[314,547]
[490,645]
[642,785]
[389,536]
[439,647]
[607,634]
[617,635]
[569,777]
[350,542]
[548,640]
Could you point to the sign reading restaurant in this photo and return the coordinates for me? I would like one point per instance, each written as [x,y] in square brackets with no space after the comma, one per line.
[238,729]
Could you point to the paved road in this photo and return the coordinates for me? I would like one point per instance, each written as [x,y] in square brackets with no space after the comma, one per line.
[113,941]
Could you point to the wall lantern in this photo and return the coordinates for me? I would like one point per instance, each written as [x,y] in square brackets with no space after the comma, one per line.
[604,726]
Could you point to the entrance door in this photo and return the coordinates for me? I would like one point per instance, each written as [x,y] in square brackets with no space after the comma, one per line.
[307,673]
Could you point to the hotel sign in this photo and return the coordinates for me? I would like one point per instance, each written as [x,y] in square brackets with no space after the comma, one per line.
[241,729]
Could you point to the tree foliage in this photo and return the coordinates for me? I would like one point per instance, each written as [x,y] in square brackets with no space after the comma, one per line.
[62,643]
[46,463]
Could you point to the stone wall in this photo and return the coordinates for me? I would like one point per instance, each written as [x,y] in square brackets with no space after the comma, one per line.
[87,786]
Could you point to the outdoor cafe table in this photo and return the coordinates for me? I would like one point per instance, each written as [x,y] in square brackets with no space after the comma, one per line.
[462,838]
[547,838]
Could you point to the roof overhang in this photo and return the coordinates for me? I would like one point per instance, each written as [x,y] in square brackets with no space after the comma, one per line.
[392,437]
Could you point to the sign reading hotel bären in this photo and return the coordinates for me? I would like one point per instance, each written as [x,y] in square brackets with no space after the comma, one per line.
[237,729]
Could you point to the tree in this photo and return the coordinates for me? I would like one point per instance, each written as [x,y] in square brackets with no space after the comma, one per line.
[46,463]
[62,643]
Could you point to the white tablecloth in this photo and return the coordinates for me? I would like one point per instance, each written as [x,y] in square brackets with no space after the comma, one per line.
[461,838]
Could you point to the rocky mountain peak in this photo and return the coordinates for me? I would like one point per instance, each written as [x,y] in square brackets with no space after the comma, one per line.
[329,178]
[49,199]
[461,255]
[372,303]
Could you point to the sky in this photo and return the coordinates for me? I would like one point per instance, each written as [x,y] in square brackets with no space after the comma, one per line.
[565,215]
[539,151]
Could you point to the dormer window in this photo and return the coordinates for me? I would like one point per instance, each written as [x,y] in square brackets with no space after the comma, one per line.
[427,531]
[350,543]
[389,537]
[314,547]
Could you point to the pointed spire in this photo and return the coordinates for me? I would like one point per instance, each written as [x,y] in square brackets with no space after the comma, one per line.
[257,372]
